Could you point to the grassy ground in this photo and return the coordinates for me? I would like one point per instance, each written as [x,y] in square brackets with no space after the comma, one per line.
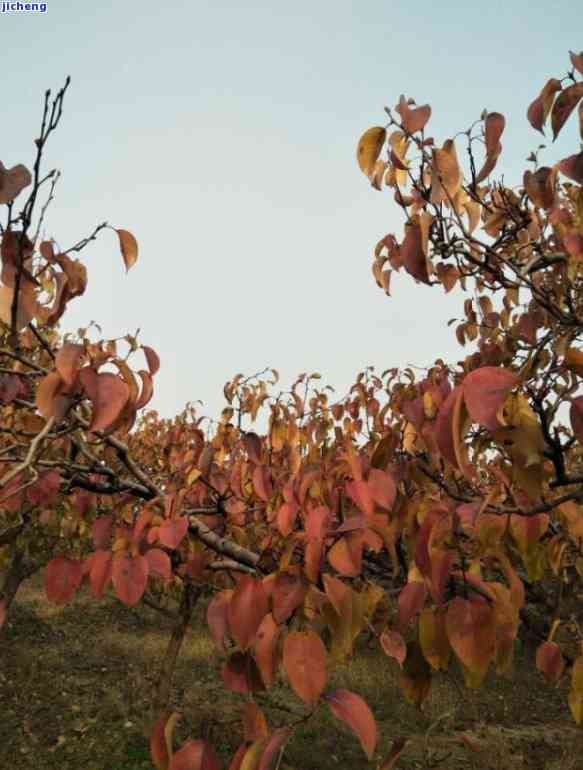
[75,684]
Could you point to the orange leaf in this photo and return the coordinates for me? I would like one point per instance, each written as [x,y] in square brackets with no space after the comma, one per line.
[394,646]
[471,632]
[304,661]
[354,712]
[129,248]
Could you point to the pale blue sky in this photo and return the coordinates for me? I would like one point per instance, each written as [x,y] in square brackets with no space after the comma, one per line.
[223,136]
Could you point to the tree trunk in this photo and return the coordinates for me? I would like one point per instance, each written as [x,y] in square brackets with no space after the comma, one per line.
[18,571]
[163,686]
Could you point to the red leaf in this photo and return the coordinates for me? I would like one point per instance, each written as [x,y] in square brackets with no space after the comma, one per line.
[45,490]
[304,661]
[266,641]
[195,755]
[270,757]
[355,713]
[382,488]
[549,661]
[262,483]
[100,572]
[151,359]
[216,618]
[288,593]
[108,395]
[159,563]
[158,748]
[410,602]
[172,531]
[485,390]
[62,578]
[315,530]
[147,390]
[247,608]
[241,675]
[129,576]
[2,612]
[101,531]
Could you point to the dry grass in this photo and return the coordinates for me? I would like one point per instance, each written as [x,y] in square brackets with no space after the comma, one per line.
[75,683]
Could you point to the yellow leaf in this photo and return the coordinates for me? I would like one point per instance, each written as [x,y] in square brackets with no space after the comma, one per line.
[369,148]
[576,692]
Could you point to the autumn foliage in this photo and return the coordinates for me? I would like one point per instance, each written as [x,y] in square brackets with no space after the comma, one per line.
[421,510]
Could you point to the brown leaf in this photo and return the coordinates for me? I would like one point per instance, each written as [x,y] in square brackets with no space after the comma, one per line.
[415,119]
[576,417]
[129,248]
[572,167]
[539,110]
[446,175]
[577,61]
[494,126]
[50,398]
[564,106]
[412,253]
[390,760]
[67,362]
[13,181]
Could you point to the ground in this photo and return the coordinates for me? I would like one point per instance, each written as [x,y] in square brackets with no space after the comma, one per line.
[75,683]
